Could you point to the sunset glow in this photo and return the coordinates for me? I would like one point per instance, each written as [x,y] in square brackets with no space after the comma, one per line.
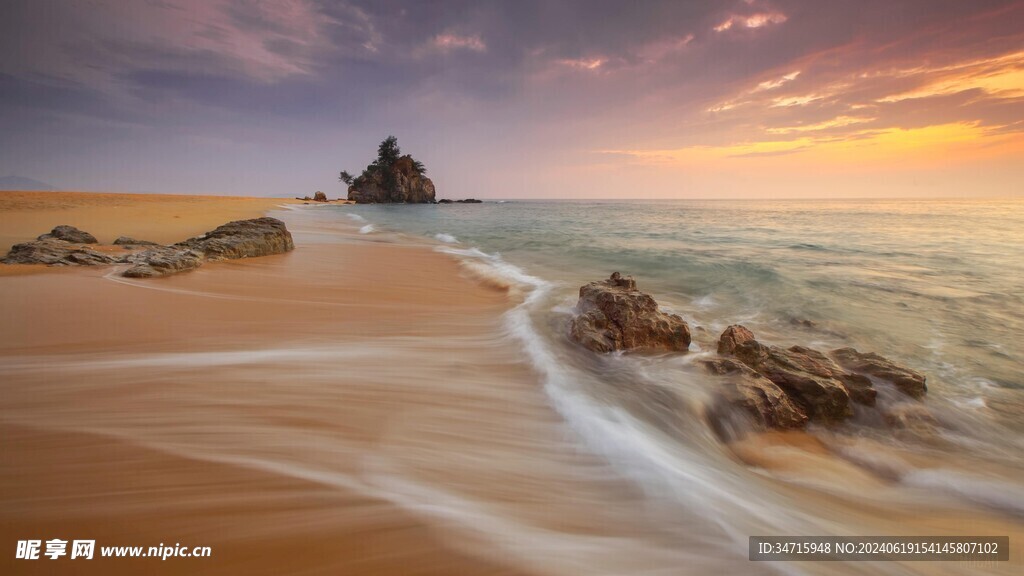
[557,100]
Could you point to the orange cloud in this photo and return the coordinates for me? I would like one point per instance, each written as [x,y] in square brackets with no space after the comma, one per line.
[929,146]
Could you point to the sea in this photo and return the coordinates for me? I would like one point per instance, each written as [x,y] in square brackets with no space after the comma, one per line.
[934,285]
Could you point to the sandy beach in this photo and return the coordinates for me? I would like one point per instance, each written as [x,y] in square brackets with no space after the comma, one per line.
[162,218]
[91,459]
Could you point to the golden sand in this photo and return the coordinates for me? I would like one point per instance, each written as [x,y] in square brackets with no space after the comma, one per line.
[161,218]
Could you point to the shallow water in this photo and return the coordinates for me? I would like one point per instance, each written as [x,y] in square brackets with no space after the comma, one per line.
[351,369]
[936,285]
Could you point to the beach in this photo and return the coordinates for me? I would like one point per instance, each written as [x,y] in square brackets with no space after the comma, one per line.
[388,399]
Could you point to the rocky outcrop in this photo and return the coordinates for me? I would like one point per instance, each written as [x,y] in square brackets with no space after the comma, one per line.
[401,182]
[161,261]
[69,234]
[822,389]
[128,241]
[319,197]
[62,246]
[907,381]
[239,239]
[465,201]
[763,404]
[242,239]
[56,253]
[614,315]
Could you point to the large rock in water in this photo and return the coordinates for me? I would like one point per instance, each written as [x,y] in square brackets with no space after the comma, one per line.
[907,381]
[817,384]
[406,185]
[765,405]
[242,239]
[614,315]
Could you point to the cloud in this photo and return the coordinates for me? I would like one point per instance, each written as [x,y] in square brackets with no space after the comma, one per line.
[582,63]
[731,81]
[448,41]
[758,20]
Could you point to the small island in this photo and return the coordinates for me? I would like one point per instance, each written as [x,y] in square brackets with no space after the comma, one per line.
[391,178]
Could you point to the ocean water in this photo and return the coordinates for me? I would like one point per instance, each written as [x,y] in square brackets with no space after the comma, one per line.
[935,285]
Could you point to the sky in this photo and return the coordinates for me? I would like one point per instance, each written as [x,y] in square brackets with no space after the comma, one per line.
[518,99]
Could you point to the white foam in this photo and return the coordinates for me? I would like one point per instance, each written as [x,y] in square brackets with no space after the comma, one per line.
[446,238]
[637,449]
[1003,496]
[367,229]
[356,217]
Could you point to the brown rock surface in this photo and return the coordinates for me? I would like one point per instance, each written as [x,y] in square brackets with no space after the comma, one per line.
[401,183]
[614,315]
[766,405]
[242,239]
[907,381]
[811,379]
[55,252]
[69,234]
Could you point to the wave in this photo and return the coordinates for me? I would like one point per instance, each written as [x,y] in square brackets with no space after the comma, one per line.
[446,238]
[687,476]
[367,229]
[356,217]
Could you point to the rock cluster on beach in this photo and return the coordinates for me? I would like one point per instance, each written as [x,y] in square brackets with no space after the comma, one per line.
[69,246]
[774,387]
[614,315]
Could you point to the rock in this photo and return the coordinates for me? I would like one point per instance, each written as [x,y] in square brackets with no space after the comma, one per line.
[614,315]
[127,241]
[319,197]
[401,182]
[445,201]
[161,261]
[55,252]
[765,405]
[733,337]
[817,384]
[907,381]
[242,239]
[470,201]
[69,234]
[911,416]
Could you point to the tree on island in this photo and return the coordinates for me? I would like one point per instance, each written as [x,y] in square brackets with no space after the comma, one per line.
[391,177]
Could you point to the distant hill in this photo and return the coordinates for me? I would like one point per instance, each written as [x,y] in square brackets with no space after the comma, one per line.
[22,183]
